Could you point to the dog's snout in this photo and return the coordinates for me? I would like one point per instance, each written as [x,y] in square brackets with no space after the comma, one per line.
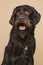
[21,21]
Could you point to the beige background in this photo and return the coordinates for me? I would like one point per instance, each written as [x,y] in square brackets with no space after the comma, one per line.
[6,8]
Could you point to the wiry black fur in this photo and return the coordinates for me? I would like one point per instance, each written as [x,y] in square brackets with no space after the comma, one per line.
[14,52]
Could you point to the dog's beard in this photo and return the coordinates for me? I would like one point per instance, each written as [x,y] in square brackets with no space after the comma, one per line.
[22,30]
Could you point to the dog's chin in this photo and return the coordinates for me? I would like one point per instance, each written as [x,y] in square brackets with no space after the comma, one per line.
[22,30]
[22,33]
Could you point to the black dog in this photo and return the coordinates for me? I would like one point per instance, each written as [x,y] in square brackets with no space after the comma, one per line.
[21,46]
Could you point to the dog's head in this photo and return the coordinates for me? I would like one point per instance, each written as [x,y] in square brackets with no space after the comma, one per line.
[24,17]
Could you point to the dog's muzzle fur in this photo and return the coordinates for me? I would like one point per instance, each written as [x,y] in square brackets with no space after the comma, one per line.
[22,23]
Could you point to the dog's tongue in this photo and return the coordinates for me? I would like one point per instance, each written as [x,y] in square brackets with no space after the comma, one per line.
[22,27]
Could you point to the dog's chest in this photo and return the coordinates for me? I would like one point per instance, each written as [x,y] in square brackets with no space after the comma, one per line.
[19,49]
[25,49]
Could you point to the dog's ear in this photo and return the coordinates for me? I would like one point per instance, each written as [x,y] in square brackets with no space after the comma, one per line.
[35,16]
[13,17]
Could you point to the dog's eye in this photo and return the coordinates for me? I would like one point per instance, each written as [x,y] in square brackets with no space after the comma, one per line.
[24,9]
[31,16]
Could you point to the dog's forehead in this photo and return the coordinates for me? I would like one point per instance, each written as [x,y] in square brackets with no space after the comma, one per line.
[22,12]
[23,8]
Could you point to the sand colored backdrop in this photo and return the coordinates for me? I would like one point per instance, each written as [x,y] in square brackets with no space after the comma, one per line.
[6,8]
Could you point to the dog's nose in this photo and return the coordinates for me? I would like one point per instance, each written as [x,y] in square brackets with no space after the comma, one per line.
[21,21]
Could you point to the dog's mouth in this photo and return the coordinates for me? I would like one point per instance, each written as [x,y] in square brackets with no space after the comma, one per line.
[22,27]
